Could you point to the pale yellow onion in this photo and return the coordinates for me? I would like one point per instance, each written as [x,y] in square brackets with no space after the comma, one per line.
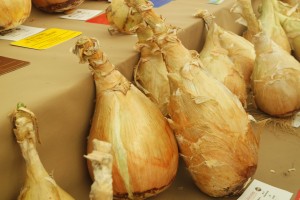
[215,59]
[121,17]
[150,74]
[240,51]
[145,152]
[101,159]
[13,13]
[38,184]
[56,6]
[275,78]
[291,26]
[270,23]
[212,128]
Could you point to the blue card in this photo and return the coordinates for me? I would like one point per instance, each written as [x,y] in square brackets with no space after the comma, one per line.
[158,3]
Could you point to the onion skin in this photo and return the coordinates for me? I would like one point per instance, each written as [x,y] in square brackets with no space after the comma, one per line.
[101,160]
[13,13]
[56,6]
[144,149]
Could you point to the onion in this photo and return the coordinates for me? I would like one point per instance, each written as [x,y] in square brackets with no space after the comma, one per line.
[122,18]
[215,59]
[13,13]
[150,74]
[144,149]
[213,131]
[275,80]
[39,184]
[267,21]
[56,6]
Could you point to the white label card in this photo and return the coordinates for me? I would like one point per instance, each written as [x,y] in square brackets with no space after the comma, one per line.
[21,32]
[82,14]
[258,190]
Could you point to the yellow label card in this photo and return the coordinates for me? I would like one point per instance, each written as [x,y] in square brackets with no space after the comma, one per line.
[47,38]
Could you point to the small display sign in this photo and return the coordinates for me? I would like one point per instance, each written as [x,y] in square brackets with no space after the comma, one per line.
[47,38]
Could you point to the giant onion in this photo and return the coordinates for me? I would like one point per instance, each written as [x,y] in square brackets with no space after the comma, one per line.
[150,74]
[121,17]
[39,184]
[13,13]
[56,6]
[268,19]
[215,59]
[213,131]
[275,79]
[144,149]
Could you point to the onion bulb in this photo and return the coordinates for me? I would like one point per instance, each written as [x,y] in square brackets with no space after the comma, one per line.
[150,74]
[122,18]
[39,184]
[13,13]
[275,78]
[144,149]
[56,6]
[215,59]
[213,131]
[101,159]
[267,20]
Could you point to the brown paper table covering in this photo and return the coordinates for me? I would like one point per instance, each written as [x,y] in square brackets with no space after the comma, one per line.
[60,92]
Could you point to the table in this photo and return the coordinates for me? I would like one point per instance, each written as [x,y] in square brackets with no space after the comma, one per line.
[60,91]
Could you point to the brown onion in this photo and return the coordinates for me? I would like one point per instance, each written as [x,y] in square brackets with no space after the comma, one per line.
[54,6]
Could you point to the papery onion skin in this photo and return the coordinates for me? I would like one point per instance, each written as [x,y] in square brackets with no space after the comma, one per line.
[13,13]
[144,149]
[56,6]
[101,160]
